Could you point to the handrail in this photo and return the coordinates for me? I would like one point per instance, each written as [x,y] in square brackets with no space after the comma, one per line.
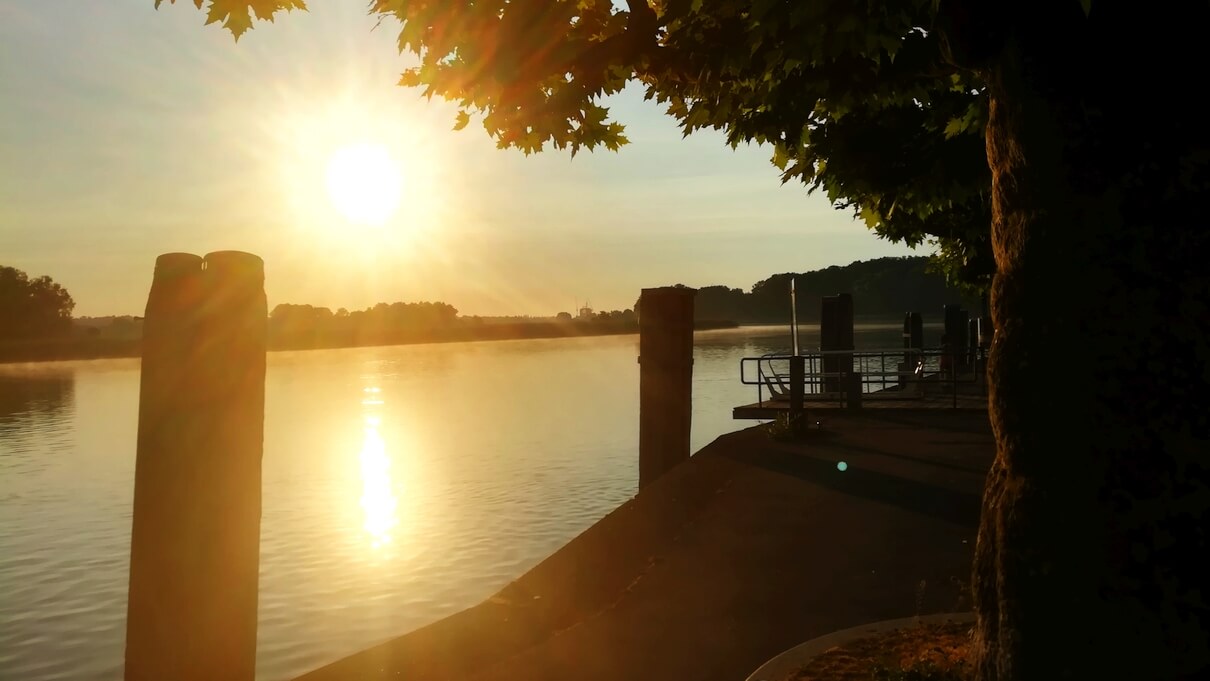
[879,370]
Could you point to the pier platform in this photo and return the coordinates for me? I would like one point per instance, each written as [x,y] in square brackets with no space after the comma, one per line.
[894,379]
[930,394]
[750,547]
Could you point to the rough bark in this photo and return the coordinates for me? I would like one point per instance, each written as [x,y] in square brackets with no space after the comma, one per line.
[1089,559]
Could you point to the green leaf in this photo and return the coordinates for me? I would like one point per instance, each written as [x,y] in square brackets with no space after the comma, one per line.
[461,120]
[238,21]
[410,78]
[781,156]
[236,15]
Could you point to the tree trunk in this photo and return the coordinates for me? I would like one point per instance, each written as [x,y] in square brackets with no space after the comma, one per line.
[1095,517]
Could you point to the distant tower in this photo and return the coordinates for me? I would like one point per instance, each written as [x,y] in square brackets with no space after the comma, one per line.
[585,312]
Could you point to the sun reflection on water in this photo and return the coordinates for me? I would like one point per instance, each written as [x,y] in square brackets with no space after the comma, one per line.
[378,501]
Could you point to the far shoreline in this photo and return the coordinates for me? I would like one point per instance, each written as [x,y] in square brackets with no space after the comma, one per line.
[84,348]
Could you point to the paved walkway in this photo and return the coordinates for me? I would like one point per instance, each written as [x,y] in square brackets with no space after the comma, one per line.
[751,547]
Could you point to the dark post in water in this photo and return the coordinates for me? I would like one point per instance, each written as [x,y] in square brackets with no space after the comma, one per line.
[836,333]
[913,343]
[798,379]
[853,384]
[955,331]
[972,340]
[195,544]
[665,379]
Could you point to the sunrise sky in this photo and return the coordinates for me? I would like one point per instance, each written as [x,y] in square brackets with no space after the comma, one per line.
[127,132]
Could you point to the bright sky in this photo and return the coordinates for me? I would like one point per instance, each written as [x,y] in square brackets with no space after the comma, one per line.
[127,132]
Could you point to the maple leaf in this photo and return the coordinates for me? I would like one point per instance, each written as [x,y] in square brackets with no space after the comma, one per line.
[236,15]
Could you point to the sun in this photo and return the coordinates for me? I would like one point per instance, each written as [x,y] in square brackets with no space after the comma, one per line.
[364,183]
[353,182]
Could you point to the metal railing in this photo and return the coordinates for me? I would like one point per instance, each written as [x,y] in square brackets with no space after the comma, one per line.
[897,373]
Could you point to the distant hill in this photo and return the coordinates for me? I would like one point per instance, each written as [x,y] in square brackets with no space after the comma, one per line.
[884,288]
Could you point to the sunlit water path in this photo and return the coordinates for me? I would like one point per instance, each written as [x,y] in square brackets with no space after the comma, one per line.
[401,484]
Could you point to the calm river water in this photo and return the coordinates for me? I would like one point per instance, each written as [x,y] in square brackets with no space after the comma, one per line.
[401,484]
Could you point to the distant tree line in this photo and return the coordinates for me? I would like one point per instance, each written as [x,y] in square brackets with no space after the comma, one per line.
[883,288]
[32,308]
[36,322]
[307,326]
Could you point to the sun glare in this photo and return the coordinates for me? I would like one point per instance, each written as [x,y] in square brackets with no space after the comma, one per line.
[357,187]
[378,501]
[364,183]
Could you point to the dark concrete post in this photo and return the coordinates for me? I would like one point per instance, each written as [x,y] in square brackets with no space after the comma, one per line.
[852,384]
[955,330]
[798,378]
[665,379]
[913,342]
[836,333]
[195,542]
[963,322]
[913,334]
[972,341]
[984,340]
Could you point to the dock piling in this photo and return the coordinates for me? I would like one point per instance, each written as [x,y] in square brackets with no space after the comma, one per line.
[836,333]
[853,390]
[665,379]
[798,378]
[956,329]
[195,541]
[913,343]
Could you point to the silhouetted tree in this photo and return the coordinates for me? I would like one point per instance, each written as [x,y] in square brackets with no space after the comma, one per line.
[720,303]
[300,325]
[927,117]
[32,308]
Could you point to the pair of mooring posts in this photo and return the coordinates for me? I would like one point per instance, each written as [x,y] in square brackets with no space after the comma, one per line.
[195,540]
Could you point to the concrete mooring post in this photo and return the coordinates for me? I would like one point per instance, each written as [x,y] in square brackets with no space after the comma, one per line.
[195,543]
[836,333]
[913,342]
[852,390]
[913,336]
[956,328]
[798,380]
[665,379]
